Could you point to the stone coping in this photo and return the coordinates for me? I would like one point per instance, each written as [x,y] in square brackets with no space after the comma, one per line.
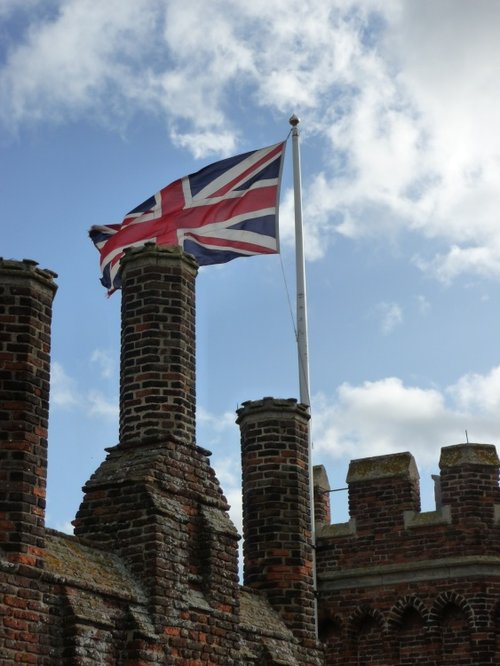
[383,467]
[469,454]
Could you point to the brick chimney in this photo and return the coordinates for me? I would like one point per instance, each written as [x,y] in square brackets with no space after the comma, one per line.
[277,552]
[26,295]
[155,499]
[157,370]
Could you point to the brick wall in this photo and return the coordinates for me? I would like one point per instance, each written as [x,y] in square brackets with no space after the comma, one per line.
[400,586]
[151,575]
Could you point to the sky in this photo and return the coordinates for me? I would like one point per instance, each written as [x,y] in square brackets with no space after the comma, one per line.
[104,103]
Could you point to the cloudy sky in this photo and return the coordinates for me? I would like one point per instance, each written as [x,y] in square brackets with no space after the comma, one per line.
[104,103]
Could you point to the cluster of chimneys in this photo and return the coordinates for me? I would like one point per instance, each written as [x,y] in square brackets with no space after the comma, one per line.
[157,400]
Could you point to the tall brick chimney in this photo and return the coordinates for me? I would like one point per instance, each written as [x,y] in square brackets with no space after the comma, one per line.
[26,295]
[277,552]
[157,370]
[155,499]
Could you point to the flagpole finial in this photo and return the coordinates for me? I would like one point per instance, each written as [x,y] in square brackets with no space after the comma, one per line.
[294,120]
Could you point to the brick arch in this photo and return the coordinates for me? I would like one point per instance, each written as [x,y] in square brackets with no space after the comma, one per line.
[408,623]
[360,615]
[451,599]
[367,637]
[331,632]
[397,612]
[453,622]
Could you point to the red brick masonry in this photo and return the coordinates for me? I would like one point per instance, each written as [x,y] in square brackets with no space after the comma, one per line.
[151,574]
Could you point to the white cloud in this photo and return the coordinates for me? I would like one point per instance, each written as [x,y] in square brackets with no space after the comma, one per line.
[106,362]
[220,432]
[79,58]
[65,527]
[201,143]
[63,389]
[478,393]
[9,7]
[481,260]
[408,133]
[424,305]
[97,404]
[66,393]
[419,140]
[386,416]
[215,422]
[391,316]
[234,499]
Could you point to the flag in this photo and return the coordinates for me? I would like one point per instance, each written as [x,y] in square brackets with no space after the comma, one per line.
[226,210]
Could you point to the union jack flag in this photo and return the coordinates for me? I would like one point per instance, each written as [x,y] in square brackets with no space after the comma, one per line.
[226,210]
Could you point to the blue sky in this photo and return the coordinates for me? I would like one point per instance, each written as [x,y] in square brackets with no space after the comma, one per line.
[102,104]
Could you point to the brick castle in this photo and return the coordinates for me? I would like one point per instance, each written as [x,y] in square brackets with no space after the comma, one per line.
[151,573]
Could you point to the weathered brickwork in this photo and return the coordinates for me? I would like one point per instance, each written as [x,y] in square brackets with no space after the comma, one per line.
[151,575]
[26,294]
[400,586]
[157,366]
[277,552]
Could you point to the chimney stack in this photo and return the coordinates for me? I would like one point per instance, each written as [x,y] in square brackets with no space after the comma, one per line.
[277,548]
[26,295]
[157,369]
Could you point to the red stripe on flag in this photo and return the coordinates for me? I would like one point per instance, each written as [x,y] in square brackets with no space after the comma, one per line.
[232,244]
[243,175]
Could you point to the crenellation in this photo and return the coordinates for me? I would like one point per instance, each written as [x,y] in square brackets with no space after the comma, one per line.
[444,558]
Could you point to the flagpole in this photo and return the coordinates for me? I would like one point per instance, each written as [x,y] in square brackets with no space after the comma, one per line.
[302,337]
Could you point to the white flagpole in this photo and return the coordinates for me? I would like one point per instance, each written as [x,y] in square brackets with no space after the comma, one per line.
[302,338]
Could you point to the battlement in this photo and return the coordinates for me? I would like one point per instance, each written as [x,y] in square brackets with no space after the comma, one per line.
[424,567]
[384,507]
